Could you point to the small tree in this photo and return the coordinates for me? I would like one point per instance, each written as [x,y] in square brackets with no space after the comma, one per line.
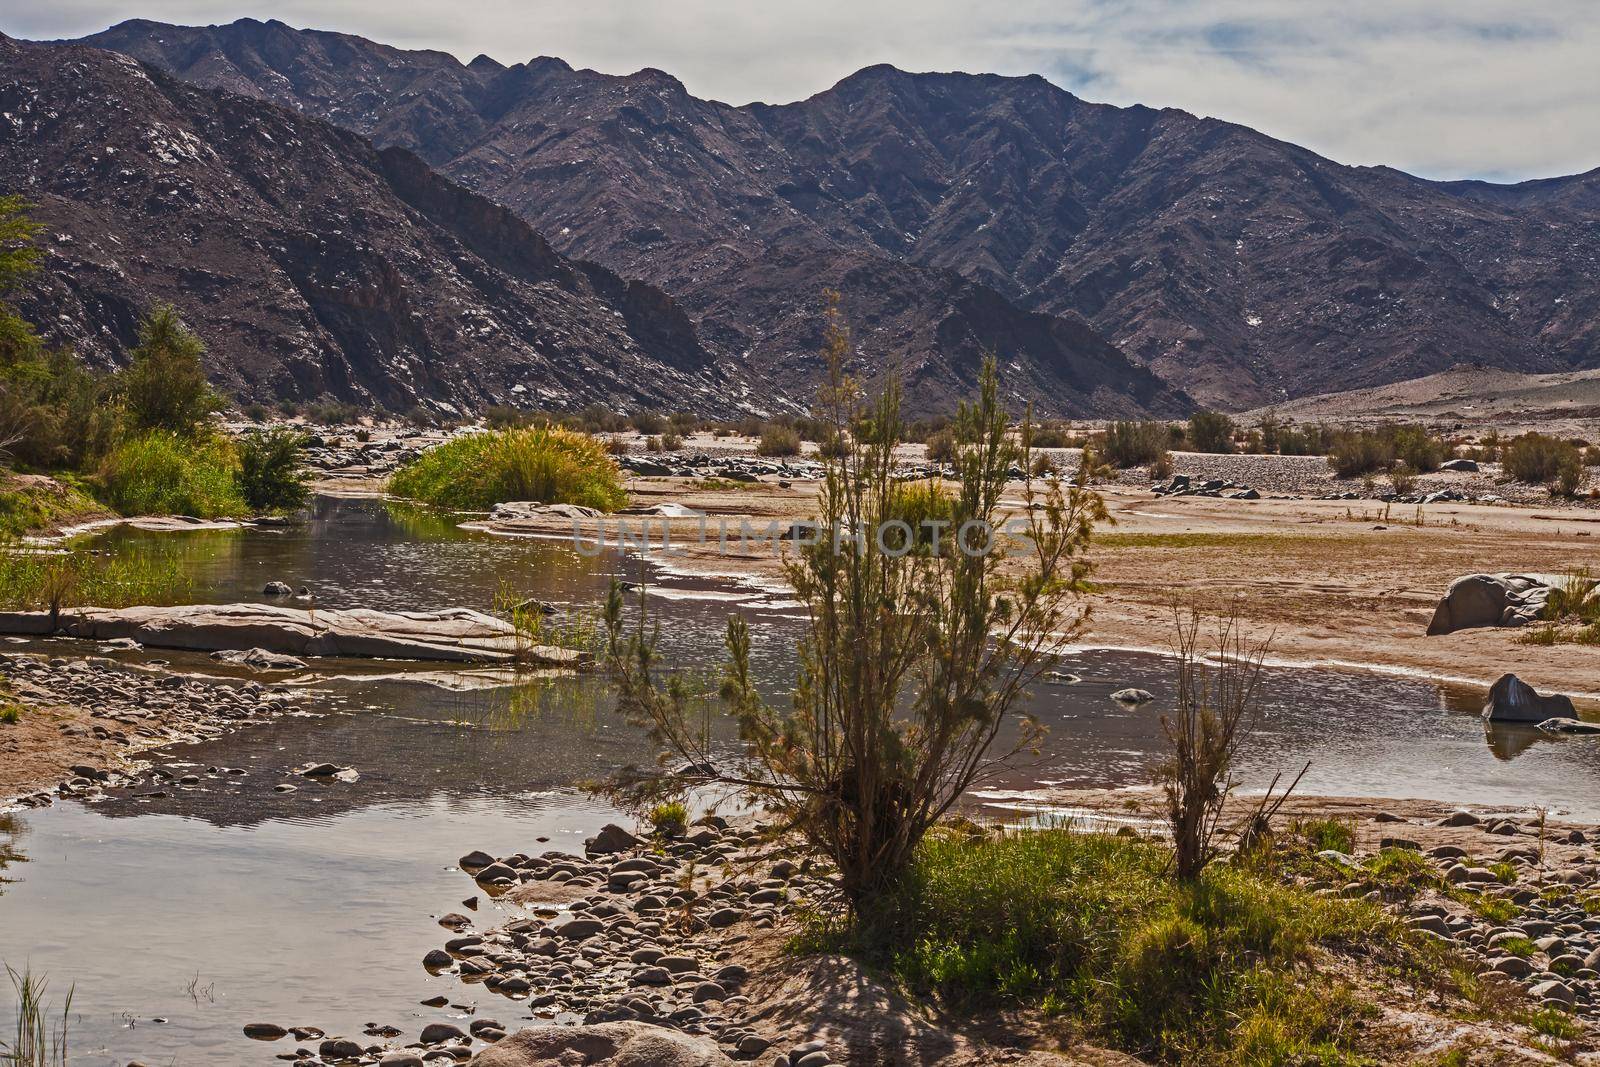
[913,661]
[165,387]
[1216,706]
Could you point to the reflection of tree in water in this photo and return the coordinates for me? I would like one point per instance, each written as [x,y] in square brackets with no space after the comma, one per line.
[12,830]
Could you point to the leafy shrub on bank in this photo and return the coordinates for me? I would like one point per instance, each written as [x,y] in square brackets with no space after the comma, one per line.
[270,475]
[1134,444]
[545,463]
[160,473]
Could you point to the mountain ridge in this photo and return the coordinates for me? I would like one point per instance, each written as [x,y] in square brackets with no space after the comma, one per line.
[1239,267]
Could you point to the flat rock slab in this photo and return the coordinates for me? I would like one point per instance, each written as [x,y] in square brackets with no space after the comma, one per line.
[456,635]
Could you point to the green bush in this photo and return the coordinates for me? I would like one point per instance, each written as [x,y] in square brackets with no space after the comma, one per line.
[544,463]
[165,387]
[778,440]
[34,505]
[160,473]
[1134,444]
[270,475]
[648,423]
[1210,431]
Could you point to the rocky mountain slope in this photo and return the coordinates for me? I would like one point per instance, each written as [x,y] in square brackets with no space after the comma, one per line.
[311,263]
[1242,268]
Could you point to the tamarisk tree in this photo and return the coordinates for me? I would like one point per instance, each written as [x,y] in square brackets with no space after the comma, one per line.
[920,647]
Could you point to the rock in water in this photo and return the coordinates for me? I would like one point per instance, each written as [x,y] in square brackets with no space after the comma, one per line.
[1513,700]
[616,1042]
[277,589]
[1133,696]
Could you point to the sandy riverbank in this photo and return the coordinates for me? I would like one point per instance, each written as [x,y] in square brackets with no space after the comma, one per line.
[1347,583]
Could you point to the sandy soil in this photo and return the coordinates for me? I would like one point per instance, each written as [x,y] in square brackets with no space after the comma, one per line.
[1345,583]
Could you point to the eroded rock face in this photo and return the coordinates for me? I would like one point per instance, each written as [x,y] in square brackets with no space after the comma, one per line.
[1513,700]
[1491,600]
[621,1044]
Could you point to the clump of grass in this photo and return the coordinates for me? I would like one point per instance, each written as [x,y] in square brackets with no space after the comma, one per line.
[548,464]
[1338,835]
[158,472]
[270,476]
[670,818]
[32,506]
[37,1043]
[10,713]
[1095,929]
[1522,947]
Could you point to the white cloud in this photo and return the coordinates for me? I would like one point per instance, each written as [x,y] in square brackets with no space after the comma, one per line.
[1475,88]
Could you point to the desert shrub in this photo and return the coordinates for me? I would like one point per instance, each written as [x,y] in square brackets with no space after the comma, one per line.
[1161,467]
[942,446]
[671,442]
[751,426]
[899,650]
[618,446]
[925,506]
[165,387]
[648,422]
[54,413]
[1416,447]
[1134,444]
[684,422]
[544,463]
[1360,452]
[778,440]
[1536,458]
[1210,431]
[503,416]
[1570,474]
[270,475]
[1052,435]
[158,472]
[1402,479]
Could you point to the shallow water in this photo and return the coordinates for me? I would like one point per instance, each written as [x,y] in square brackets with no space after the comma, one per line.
[229,903]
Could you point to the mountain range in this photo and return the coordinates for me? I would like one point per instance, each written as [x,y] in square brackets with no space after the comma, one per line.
[1118,260]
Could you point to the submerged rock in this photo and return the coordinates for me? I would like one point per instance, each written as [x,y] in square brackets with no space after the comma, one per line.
[259,659]
[1513,700]
[1133,696]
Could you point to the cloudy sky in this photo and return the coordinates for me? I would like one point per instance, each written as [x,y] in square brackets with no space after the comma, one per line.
[1464,88]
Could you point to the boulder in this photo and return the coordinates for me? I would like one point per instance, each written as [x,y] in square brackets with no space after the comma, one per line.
[277,589]
[1569,726]
[622,1044]
[1492,600]
[1513,700]
[1133,696]
[1466,466]
[611,838]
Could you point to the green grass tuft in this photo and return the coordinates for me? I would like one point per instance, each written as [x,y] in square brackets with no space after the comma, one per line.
[160,473]
[1093,928]
[547,464]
